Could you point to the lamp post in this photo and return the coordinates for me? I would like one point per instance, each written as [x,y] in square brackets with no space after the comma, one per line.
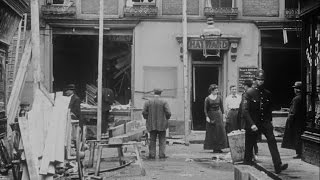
[210,32]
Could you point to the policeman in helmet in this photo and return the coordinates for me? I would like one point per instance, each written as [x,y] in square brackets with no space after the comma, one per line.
[257,109]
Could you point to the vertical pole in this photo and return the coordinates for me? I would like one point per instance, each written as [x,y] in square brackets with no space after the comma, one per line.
[17,50]
[185,71]
[100,63]
[35,39]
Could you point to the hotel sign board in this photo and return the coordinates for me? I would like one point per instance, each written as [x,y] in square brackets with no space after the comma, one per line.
[211,44]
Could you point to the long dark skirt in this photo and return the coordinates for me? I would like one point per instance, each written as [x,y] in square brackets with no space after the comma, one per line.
[216,138]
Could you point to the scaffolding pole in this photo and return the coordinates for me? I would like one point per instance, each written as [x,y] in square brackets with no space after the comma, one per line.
[100,64]
[185,71]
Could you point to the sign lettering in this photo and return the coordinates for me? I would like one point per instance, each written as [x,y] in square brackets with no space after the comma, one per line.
[211,44]
[245,73]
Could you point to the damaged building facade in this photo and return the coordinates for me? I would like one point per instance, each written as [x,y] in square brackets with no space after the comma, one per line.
[143,50]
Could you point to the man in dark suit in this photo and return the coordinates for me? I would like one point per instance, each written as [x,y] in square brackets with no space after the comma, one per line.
[257,112]
[157,113]
[295,123]
[74,104]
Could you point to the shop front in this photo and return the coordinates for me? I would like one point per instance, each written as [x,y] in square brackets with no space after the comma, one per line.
[310,59]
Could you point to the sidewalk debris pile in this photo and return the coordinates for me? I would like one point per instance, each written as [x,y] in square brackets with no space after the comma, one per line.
[45,136]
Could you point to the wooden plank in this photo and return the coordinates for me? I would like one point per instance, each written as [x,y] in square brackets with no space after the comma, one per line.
[25,173]
[35,37]
[49,147]
[13,102]
[46,94]
[117,131]
[60,117]
[98,161]
[131,136]
[32,161]
[139,160]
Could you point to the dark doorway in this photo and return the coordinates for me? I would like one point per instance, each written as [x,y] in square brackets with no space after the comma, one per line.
[203,76]
[282,69]
[281,63]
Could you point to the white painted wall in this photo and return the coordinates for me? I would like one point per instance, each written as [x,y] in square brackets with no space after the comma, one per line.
[156,45]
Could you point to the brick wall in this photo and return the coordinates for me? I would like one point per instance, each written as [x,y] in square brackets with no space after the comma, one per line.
[174,7]
[92,7]
[263,8]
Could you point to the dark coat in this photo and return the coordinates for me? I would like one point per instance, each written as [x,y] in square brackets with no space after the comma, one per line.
[74,107]
[107,99]
[294,124]
[256,107]
[156,111]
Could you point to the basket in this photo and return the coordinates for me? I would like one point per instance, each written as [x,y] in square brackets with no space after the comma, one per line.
[236,141]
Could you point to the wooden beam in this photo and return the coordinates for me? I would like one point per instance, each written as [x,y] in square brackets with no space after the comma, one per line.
[131,136]
[32,161]
[13,103]
[100,73]
[35,38]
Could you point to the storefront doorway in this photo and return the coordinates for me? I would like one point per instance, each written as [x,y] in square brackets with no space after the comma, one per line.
[205,71]
[282,66]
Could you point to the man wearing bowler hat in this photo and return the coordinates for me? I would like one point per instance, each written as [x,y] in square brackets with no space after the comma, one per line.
[295,123]
[74,104]
[257,111]
[157,113]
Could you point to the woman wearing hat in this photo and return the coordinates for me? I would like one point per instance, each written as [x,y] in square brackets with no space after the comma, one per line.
[294,124]
[216,138]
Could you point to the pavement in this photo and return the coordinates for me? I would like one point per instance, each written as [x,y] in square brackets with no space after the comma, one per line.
[183,163]
[297,169]
[192,162]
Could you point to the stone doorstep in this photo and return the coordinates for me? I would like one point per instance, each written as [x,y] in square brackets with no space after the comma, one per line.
[246,172]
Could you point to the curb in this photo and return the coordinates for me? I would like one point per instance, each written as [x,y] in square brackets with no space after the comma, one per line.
[200,141]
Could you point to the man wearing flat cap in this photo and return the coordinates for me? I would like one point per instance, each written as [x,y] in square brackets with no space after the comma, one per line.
[257,112]
[74,104]
[295,123]
[156,111]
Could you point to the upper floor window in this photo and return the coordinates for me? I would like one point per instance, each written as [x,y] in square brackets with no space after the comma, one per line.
[291,4]
[130,3]
[221,3]
[58,1]
[144,1]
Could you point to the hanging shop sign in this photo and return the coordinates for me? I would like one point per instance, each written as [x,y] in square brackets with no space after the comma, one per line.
[211,44]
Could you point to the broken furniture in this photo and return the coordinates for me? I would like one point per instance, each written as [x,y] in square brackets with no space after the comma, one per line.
[120,155]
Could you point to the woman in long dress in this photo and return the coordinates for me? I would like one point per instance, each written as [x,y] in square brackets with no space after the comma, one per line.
[216,138]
